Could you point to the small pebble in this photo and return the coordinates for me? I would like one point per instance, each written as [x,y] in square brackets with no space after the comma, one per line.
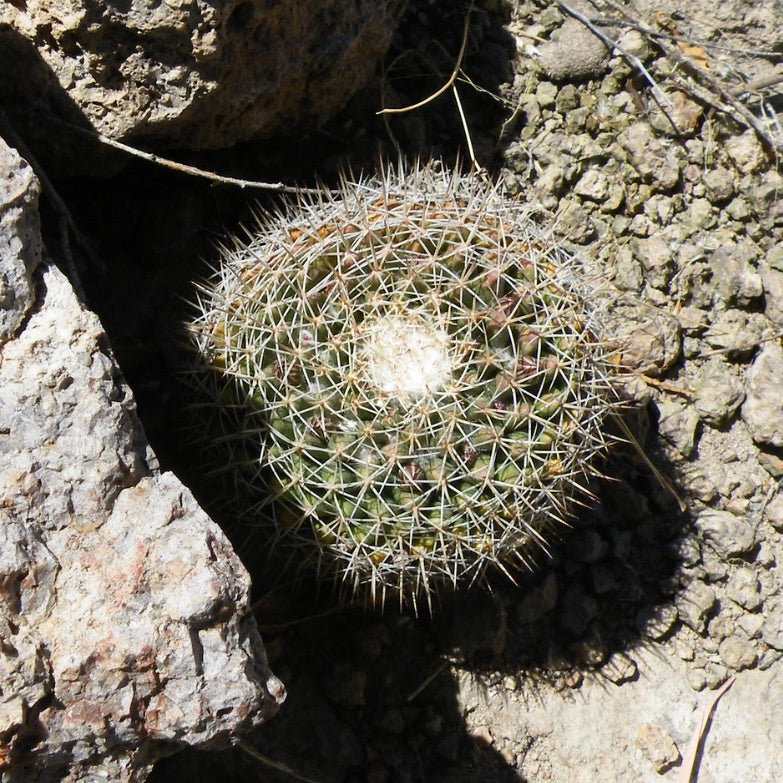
[658,747]
[774,511]
[538,601]
[694,605]
[620,668]
[573,53]
[719,185]
[727,535]
[656,622]
[737,653]
[744,588]
[719,393]
[657,260]
[762,410]
[736,332]
[745,152]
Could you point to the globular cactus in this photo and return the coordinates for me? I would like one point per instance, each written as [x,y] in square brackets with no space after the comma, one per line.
[419,382]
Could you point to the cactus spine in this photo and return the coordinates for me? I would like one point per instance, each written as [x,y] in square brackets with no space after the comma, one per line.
[419,384]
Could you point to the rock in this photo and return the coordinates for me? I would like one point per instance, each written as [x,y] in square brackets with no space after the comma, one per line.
[537,602]
[774,512]
[736,281]
[694,605]
[700,215]
[574,223]
[576,610]
[737,653]
[192,74]
[657,260]
[655,162]
[20,245]
[546,94]
[745,152]
[772,283]
[726,534]
[634,43]
[677,425]
[750,625]
[124,613]
[573,53]
[648,338]
[627,270]
[567,99]
[719,393]
[719,185]
[680,110]
[736,332]
[656,622]
[765,200]
[772,627]
[658,746]
[592,185]
[693,320]
[620,668]
[762,410]
[585,546]
[738,209]
[774,257]
[744,589]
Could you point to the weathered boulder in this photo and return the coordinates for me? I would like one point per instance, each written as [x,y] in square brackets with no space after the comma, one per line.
[191,73]
[125,626]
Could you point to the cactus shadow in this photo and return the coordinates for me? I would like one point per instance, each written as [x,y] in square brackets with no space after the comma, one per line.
[606,587]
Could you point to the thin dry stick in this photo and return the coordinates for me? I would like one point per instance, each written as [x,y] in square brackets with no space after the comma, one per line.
[758,84]
[725,94]
[475,164]
[276,187]
[691,755]
[662,480]
[274,627]
[667,387]
[416,691]
[253,753]
[451,78]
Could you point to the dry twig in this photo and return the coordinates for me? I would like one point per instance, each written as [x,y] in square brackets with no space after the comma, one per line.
[449,83]
[258,756]
[194,171]
[697,738]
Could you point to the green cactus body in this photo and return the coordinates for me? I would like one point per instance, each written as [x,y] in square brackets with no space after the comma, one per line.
[420,381]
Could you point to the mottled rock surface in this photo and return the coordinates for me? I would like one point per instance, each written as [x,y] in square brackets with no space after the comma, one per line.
[191,73]
[19,242]
[125,628]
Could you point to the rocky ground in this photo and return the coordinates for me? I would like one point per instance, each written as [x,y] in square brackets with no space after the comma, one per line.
[598,665]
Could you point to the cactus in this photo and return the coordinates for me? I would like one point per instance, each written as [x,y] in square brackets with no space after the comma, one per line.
[417,385]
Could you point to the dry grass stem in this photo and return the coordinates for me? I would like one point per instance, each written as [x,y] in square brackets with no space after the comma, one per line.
[690,762]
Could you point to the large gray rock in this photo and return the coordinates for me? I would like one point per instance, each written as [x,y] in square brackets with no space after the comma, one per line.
[125,626]
[192,73]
